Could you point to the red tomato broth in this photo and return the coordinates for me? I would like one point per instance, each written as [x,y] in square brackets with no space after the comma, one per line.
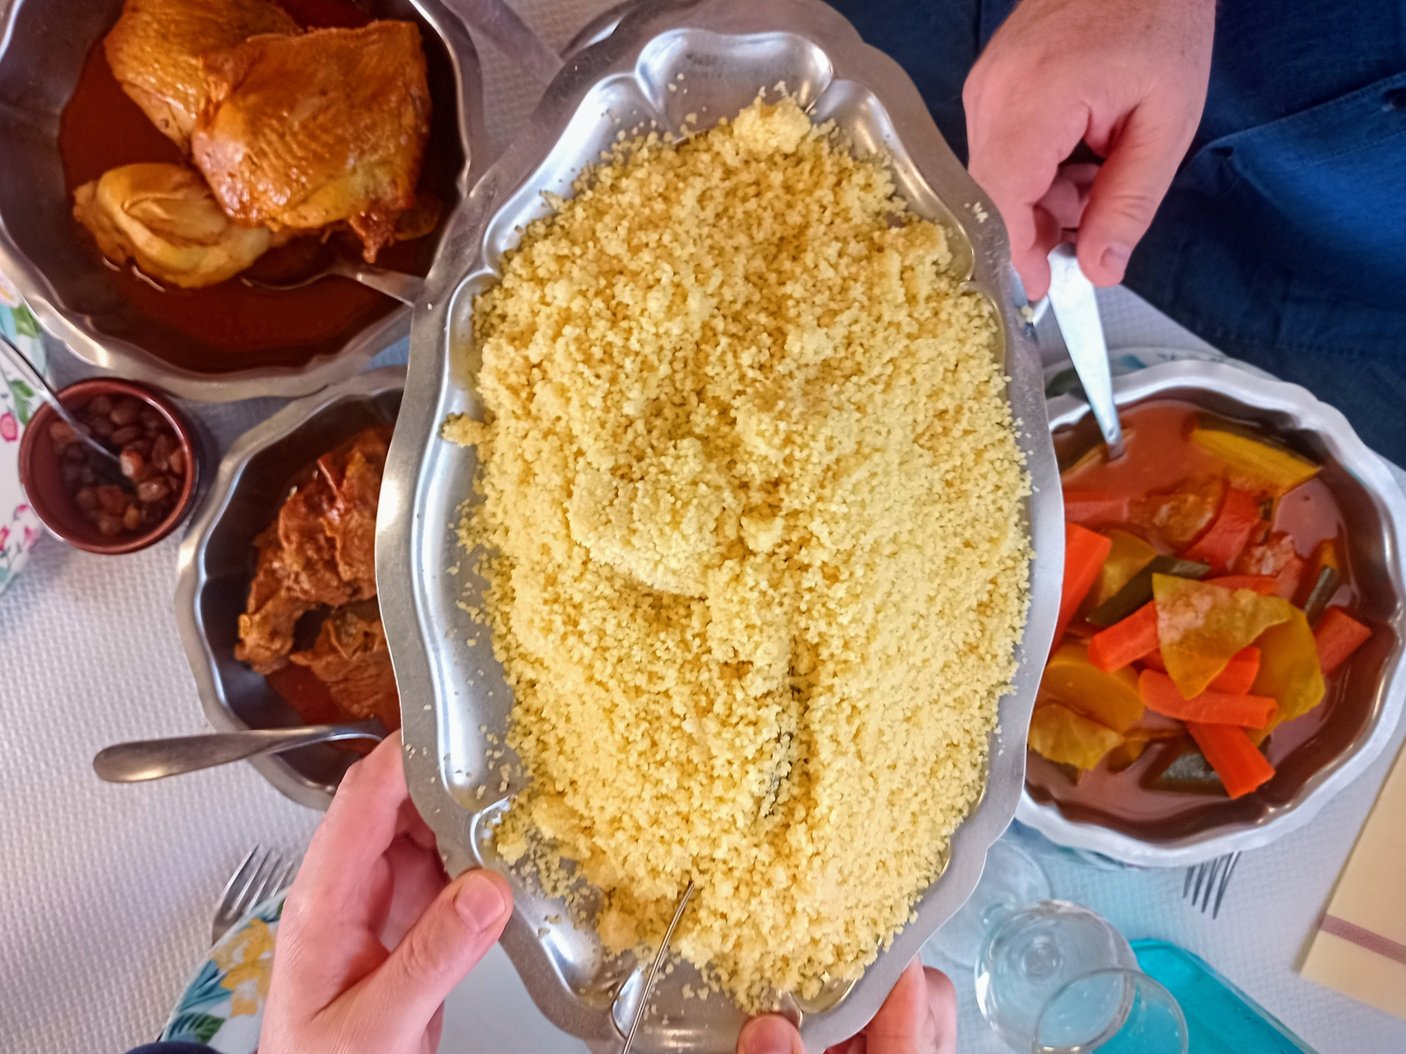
[299,688]
[231,325]
[1160,455]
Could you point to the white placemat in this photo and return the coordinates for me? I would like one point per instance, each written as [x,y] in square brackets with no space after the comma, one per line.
[107,891]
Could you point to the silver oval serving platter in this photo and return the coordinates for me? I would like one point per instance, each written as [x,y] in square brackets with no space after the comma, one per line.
[1370,709]
[47,255]
[217,560]
[452,688]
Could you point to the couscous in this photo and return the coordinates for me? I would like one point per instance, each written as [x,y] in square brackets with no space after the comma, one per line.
[750,504]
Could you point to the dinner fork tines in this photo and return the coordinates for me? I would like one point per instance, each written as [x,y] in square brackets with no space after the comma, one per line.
[259,876]
[1205,883]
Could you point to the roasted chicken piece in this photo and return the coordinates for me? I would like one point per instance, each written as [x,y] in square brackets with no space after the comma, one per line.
[319,552]
[155,48]
[303,132]
[164,218]
[351,659]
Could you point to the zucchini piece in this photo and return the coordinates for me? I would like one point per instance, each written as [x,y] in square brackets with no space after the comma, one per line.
[1324,586]
[1138,591]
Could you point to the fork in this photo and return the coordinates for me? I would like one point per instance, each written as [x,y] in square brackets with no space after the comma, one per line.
[1205,883]
[259,876]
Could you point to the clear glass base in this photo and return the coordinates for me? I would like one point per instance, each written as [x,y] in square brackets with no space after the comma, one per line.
[1112,1012]
[1029,956]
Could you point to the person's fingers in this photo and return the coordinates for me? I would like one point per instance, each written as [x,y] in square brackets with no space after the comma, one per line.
[1130,185]
[416,879]
[414,827]
[1069,194]
[1016,150]
[769,1034]
[364,818]
[942,1002]
[447,941]
[904,1024]
[1034,269]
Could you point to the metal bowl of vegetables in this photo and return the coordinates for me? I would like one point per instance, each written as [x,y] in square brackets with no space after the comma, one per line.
[1233,622]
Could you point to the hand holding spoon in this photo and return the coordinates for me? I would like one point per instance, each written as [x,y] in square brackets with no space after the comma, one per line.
[1075,307]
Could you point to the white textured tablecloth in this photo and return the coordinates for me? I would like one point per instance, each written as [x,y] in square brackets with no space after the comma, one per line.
[106,892]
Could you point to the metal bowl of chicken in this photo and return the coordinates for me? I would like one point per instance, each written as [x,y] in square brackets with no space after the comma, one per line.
[218,560]
[67,122]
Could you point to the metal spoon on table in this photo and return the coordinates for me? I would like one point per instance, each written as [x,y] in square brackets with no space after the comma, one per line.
[40,387]
[154,759]
[1075,306]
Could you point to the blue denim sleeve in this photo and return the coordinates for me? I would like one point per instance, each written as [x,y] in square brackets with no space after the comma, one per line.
[173,1048]
[1281,240]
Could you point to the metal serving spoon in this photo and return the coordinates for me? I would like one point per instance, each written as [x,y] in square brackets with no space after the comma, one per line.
[635,1014]
[1075,306]
[40,387]
[154,759]
[395,284]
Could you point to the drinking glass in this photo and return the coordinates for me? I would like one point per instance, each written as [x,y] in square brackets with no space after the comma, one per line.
[1112,1011]
[1054,977]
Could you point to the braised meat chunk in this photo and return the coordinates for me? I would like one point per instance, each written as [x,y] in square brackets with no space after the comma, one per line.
[352,661]
[155,49]
[301,133]
[318,553]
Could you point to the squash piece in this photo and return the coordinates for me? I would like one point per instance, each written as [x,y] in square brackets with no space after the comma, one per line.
[1201,627]
[1073,681]
[1138,590]
[1178,516]
[1265,463]
[1129,555]
[1066,738]
[1125,754]
[1289,668]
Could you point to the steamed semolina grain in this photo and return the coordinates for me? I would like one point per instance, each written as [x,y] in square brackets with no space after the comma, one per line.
[750,494]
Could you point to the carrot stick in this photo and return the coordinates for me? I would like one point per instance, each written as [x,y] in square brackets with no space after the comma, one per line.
[1237,761]
[1239,674]
[1084,553]
[1337,636]
[1161,696]
[1264,585]
[1237,678]
[1229,533]
[1095,506]
[1126,641]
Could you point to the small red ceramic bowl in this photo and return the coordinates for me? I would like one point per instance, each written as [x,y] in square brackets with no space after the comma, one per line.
[41,471]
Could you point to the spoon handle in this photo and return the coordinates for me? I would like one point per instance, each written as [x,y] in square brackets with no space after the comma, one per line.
[1075,306]
[153,759]
[21,364]
[403,287]
[40,387]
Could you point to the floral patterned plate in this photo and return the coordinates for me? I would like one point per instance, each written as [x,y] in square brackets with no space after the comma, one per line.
[19,527]
[223,1006]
